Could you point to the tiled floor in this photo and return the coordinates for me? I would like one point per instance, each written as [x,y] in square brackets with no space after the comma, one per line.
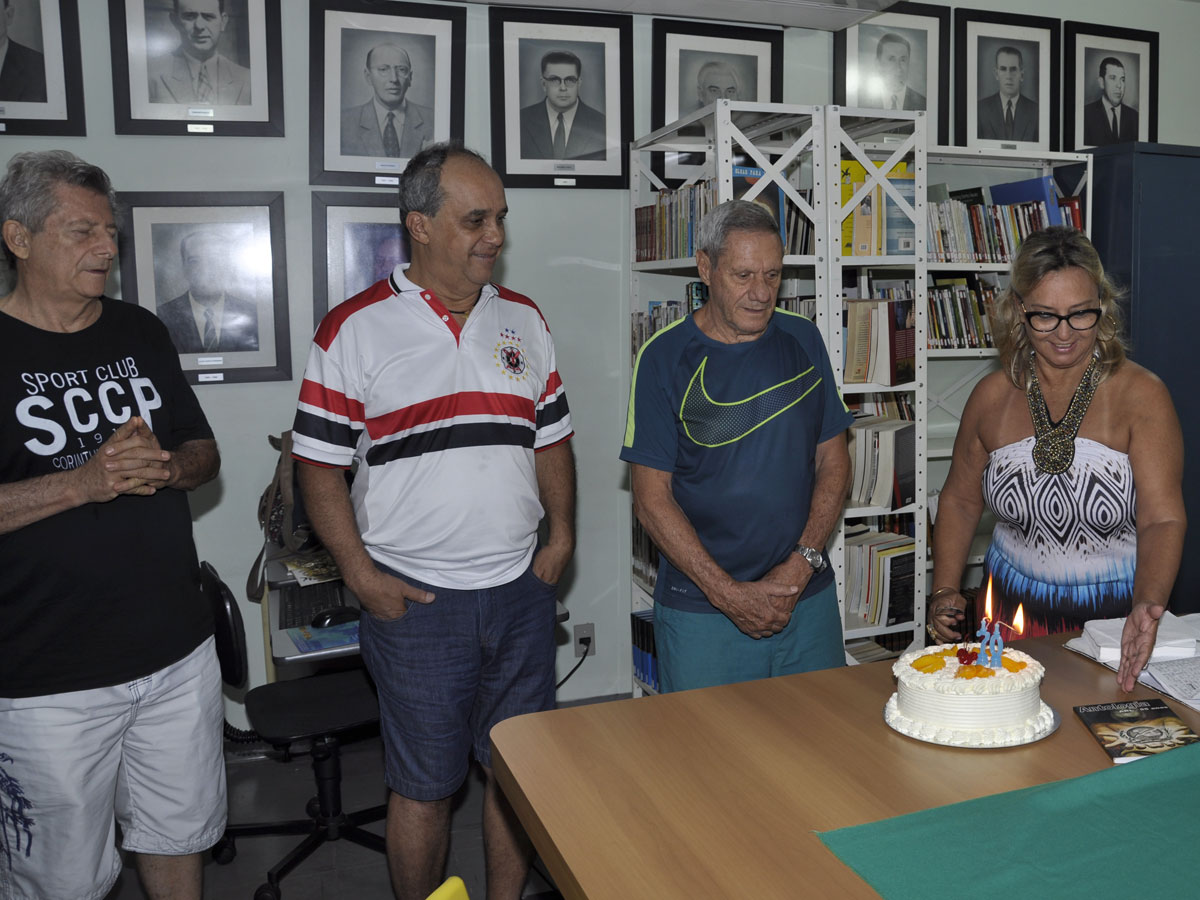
[266,789]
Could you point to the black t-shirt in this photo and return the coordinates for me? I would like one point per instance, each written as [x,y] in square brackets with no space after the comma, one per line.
[106,592]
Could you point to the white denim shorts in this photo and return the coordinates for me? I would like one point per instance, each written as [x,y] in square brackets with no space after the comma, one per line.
[149,754]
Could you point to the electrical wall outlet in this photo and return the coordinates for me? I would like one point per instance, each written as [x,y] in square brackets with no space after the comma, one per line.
[586,631]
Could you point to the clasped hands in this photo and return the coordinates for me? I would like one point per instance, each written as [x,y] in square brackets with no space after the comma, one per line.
[764,607]
[131,461]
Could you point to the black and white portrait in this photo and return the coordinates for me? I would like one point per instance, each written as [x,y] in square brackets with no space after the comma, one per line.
[23,72]
[387,80]
[357,241]
[196,66]
[211,266]
[561,97]
[898,60]
[208,64]
[891,68]
[707,76]
[387,93]
[1007,93]
[1007,90]
[1112,86]
[372,251]
[41,80]
[695,64]
[208,301]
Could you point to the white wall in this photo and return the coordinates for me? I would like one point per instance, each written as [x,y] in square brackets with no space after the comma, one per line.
[566,249]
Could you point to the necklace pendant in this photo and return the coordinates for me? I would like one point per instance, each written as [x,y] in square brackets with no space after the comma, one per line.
[1054,451]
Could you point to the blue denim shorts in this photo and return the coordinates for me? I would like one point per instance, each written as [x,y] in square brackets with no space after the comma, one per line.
[449,670]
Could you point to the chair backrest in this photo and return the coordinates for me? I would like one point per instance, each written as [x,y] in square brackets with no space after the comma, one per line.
[451,889]
[227,622]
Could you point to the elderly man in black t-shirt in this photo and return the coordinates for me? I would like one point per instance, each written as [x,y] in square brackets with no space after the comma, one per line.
[110,692]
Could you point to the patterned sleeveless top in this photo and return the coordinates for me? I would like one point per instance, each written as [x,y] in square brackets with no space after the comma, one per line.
[1065,545]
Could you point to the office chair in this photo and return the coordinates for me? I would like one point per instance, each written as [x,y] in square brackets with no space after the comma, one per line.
[320,709]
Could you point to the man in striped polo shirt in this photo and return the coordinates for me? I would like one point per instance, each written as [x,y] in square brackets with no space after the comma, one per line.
[440,390]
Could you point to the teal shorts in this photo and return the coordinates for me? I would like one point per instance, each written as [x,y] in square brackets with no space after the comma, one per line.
[704,649]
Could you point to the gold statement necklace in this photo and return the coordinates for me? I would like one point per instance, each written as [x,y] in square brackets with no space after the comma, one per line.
[1054,445]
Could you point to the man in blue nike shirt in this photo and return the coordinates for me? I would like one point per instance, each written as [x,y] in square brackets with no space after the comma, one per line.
[736,438]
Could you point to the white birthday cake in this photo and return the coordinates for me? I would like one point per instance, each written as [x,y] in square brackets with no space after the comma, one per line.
[944,695]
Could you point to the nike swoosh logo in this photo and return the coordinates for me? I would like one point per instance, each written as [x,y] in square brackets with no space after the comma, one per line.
[711,423]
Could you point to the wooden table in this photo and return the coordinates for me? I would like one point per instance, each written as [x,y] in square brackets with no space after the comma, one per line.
[716,793]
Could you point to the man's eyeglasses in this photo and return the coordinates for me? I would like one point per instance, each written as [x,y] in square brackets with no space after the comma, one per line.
[1080,320]
[555,81]
[391,71]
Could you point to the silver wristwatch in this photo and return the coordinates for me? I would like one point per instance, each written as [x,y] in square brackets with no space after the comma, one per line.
[813,556]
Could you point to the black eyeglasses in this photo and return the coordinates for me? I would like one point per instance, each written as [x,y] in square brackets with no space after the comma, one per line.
[555,81]
[1080,320]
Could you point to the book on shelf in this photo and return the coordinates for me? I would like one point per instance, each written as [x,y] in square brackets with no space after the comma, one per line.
[1134,729]
[898,235]
[881,450]
[861,221]
[880,341]
[981,225]
[1040,190]
[960,311]
[770,196]
[645,653]
[879,580]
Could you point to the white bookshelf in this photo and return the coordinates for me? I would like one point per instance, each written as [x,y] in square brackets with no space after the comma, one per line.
[953,373]
[880,141]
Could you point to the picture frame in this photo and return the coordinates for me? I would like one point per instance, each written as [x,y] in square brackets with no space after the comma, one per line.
[694,64]
[1002,56]
[349,138]
[910,45]
[178,250]
[357,240]
[524,45]
[160,86]
[41,83]
[1089,49]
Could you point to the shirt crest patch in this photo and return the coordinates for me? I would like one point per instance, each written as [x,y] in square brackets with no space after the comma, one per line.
[509,355]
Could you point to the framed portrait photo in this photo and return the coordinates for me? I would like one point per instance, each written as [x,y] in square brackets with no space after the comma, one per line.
[386,79]
[694,64]
[197,67]
[357,241]
[1111,94]
[41,80]
[899,59]
[562,113]
[1006,82]
[211,266]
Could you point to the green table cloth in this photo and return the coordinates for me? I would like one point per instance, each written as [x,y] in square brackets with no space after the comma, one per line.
[1128,831]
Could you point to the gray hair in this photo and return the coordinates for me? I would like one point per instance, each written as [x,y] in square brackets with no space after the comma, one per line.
[733,215]
[421,184]
[1053,250]
[27,193]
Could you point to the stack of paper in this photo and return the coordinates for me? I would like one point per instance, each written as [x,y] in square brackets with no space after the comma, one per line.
[1101,639]
[1174,667]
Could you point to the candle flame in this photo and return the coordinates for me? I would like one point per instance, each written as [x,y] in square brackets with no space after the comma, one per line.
[1018,624]
[987,603]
